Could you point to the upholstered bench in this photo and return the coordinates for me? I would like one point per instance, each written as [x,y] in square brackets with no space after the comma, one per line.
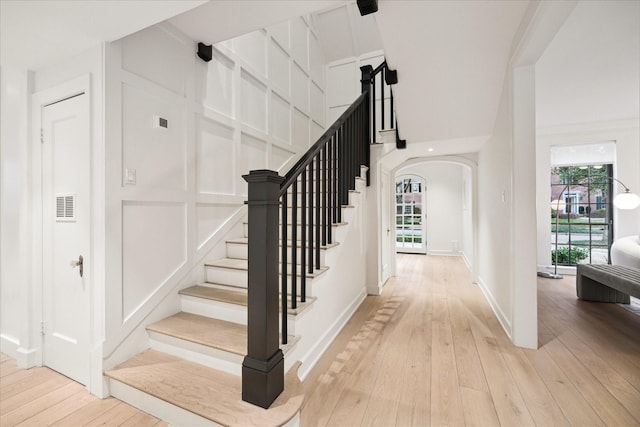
[607,283]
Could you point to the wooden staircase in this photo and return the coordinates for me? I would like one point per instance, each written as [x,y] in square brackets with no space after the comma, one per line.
[190,376]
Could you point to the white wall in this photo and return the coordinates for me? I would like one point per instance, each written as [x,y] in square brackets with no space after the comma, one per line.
[15,218]
[343,86]
[443,205]
[467,217]
[494,216]
[258,104]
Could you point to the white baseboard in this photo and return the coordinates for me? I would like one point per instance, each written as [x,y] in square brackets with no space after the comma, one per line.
[504,321]
[440,252]
[374,289]
[315,353]
[25,357]
[466,260]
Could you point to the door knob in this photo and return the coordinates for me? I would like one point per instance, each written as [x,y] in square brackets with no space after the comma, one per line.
[78,263]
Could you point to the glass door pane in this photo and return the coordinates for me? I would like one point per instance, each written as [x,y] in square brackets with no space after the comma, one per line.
[409,215]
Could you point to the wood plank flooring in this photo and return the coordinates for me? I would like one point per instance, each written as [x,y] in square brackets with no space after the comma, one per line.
[42,397]
[429,351]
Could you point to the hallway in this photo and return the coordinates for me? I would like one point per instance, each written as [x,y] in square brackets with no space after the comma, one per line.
[429,351]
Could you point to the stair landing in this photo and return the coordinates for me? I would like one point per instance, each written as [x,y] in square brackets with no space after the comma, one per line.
[208,393]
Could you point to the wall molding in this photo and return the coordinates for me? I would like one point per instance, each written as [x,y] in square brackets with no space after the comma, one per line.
[502,318]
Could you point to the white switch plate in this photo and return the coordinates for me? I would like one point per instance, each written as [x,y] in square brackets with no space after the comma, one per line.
[130,176]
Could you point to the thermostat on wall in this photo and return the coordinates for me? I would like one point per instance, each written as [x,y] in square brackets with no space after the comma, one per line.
[160,122]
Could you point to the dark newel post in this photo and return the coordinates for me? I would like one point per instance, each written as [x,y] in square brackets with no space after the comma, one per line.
[263,366]
[367,75]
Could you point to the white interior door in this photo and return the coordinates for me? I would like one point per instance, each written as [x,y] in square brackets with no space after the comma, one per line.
[66,231]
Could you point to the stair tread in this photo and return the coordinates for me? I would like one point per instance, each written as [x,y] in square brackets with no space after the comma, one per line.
[215,333]
[242,264]
[220,334]
[236,296]
[207,392]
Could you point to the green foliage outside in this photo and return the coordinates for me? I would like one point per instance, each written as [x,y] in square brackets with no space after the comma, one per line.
[570,257]
[597,178]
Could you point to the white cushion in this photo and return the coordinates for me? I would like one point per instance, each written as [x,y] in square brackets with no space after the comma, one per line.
[626,251]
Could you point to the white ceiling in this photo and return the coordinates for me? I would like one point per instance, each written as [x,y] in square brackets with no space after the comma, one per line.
[35,33]
[591,70]
[344,33]
[220,20]
[451,58]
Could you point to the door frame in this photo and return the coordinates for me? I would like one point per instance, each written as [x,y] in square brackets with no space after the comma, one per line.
[77,86]
[423,212]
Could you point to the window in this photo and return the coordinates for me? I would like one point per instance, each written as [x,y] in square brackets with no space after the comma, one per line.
[581,208]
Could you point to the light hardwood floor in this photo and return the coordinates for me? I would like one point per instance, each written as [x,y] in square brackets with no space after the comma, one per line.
[42,397]
[428,351]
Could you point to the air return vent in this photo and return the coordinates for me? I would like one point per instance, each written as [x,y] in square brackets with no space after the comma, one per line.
[66,208]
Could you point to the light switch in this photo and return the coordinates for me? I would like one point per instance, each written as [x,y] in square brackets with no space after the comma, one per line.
[130,176]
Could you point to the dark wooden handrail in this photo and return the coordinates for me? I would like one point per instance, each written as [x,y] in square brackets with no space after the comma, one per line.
[304,161]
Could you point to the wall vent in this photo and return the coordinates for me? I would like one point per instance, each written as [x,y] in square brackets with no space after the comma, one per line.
[66,208]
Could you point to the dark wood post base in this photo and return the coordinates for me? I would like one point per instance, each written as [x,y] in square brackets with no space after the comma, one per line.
[262,381]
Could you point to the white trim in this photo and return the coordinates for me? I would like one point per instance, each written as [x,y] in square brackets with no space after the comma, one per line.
[442,252]
[504,321]
[310,359]
[466,260]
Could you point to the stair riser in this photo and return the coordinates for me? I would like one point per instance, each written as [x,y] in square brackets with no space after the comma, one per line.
[207,356]
[240,251]
[214,309]
[159,408]
[225,311]
[238,278]
[290,229]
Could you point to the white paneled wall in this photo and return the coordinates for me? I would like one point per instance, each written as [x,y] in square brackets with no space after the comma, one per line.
[343,86]
[259,103]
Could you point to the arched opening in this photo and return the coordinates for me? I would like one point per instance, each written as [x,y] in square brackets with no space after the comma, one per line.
[448,213]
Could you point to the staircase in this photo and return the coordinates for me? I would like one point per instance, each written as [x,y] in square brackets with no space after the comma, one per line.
[190,376]
[229,345]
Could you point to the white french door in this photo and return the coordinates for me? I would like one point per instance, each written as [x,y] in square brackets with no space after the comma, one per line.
[410,217]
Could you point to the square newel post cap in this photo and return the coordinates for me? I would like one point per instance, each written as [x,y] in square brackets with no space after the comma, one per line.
[367,73]
[263,175]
